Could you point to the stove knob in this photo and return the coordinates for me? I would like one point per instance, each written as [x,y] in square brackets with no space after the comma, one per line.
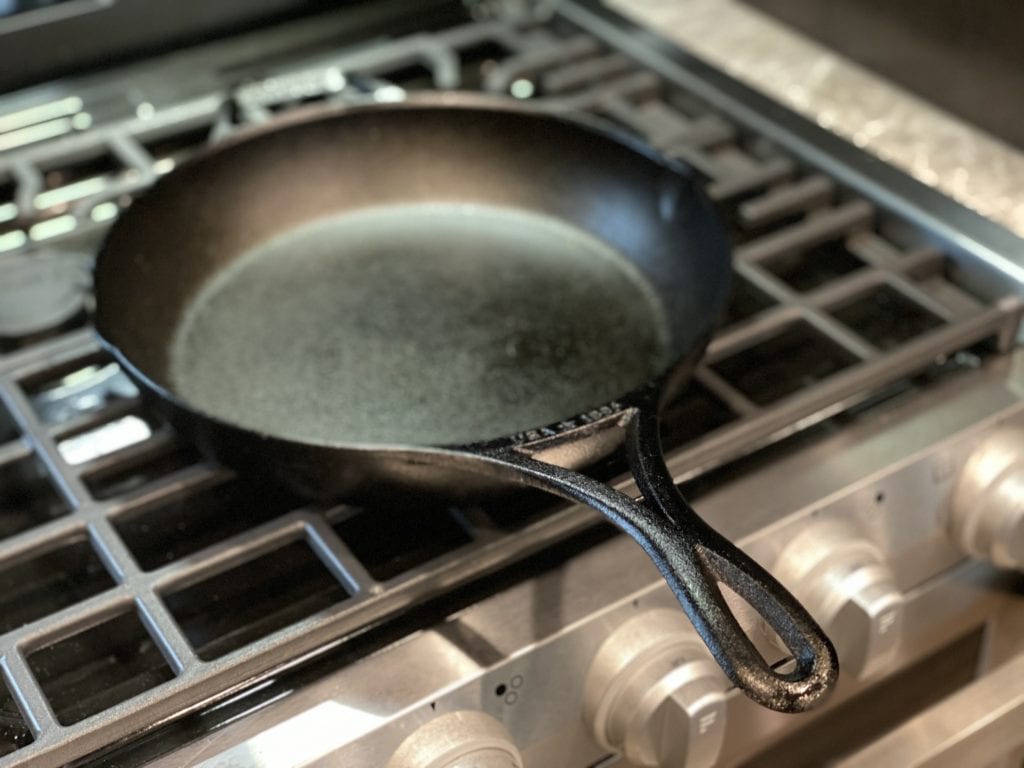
[654,693]
[458,740]
[987,516]
[843,581]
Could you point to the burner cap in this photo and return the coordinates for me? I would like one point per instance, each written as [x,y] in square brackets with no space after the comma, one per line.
[41,291]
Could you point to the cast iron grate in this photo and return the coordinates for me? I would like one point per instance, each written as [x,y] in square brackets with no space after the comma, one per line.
[70,394]
[141,470]
[98,667]
[793,358]
[8,427]
[47,581]
[230,609]
[885,317]
[14,734]
[28,497]
[152,580]
[807,270]
[181,526]
[391,544]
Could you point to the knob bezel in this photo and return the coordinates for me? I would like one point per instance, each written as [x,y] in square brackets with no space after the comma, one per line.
[649,674]
[987,508]
[844,581]
[458,740]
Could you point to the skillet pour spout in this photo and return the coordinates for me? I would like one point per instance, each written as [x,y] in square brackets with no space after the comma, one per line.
[396,294]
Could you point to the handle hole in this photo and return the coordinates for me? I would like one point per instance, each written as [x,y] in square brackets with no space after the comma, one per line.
[749,620]
[740,593]
[786,666]
[779,657]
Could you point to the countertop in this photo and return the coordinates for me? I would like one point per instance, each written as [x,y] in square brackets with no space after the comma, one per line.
[971,166]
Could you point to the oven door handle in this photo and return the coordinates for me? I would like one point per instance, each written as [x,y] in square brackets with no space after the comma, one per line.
[975,726]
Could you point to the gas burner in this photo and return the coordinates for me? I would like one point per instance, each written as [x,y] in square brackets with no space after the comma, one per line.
[41,294]
[85,389]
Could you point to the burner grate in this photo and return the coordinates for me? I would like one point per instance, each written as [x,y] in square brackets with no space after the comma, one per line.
[47,581]
[885,317]
[393,543]
[14,734]
[99,667]
[169,530]
[28,497]
[153,582]
[795,357]
[230,609]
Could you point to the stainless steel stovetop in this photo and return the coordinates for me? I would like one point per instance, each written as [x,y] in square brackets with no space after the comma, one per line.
[856,424]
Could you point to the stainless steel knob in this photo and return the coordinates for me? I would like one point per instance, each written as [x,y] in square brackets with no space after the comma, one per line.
[458,740]
[987,513]
[843,581]
[654,693]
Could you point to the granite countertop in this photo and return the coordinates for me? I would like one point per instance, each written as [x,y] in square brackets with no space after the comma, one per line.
[975,168]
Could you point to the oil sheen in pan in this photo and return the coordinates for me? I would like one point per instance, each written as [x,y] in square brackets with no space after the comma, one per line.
[418,324]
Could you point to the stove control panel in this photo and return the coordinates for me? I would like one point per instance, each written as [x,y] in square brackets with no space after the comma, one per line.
[654,693]
[987,513]
[845,583]
[592,662]
[465,739]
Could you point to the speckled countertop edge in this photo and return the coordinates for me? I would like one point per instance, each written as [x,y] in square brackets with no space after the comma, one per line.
[943,151]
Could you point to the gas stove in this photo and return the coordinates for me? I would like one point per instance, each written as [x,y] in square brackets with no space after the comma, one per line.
[856,425]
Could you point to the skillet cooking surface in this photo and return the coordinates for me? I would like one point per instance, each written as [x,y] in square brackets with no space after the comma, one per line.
[421,324]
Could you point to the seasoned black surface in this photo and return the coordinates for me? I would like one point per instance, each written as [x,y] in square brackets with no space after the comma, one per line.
[604,269]
[422,324]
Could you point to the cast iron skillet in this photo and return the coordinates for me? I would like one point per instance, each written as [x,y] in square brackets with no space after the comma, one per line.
[451,287]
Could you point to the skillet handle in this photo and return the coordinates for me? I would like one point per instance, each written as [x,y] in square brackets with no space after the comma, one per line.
[694,558]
